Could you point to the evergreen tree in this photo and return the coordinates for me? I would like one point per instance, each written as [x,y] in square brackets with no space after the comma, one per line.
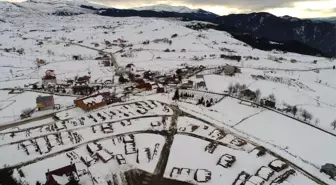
[176,95]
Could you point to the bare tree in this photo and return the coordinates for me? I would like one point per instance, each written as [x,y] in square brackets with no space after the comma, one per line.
[333,124]
[258,94]
[294,110]
[230,88]
[306,115]
[242,87]
[317,121]
[272,97]
[26,111]
[237,85]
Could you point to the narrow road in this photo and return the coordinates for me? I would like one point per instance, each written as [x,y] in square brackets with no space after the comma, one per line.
[18,165]
[163,160]
[114,61]
[74,129]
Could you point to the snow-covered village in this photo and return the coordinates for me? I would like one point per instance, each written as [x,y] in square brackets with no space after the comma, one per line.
[87,99]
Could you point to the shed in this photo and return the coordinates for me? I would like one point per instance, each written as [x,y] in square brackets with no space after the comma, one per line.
[104,155]
[201,84]
[270,103]
[329,169]
[45,102]
[202,175]
[226,160]
[278,165]
[247,93]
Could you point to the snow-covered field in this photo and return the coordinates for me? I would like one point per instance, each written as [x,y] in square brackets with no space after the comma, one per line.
[150,126]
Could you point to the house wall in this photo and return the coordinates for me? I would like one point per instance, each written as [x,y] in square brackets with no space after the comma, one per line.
[46,105]
[46,81]
[79,103]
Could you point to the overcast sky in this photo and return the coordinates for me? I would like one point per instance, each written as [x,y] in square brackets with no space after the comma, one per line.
[295,8]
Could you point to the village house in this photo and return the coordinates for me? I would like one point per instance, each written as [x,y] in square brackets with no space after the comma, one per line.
[199,76]
[201,84]
[49,78]
[82,89]
[40,62]
[248,94]
[62,176]
[106,63]
[160,88]
[93,101]
[104,156]
[231,70]
[120,159]
[76,57]
[187,85]
[93,148]
[45,102]
[269,103]
[144,86]
[130,68]
[83,79]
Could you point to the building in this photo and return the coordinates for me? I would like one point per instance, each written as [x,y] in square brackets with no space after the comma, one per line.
[130,68]
[104,156]
[144,86]
[62,176]
[201,84]
[45,102]
[231,70]
[93,101]
[49,78]
[40,62]
[269,103]
[82,89]
[76,57]
[329,169]
[106,63]
[120,159]
[83,79]
[160,88]
[248,94]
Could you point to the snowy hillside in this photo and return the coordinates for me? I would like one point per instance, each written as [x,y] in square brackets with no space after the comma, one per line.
[132,100]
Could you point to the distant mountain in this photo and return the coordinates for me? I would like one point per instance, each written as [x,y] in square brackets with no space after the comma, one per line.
[157,11]
[329,19]
[261,43]
[166,8]
[176,9]
[319,35]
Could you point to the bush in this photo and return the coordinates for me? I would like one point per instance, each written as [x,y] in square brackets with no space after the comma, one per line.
[231,88]
[306,115]
[333,124]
